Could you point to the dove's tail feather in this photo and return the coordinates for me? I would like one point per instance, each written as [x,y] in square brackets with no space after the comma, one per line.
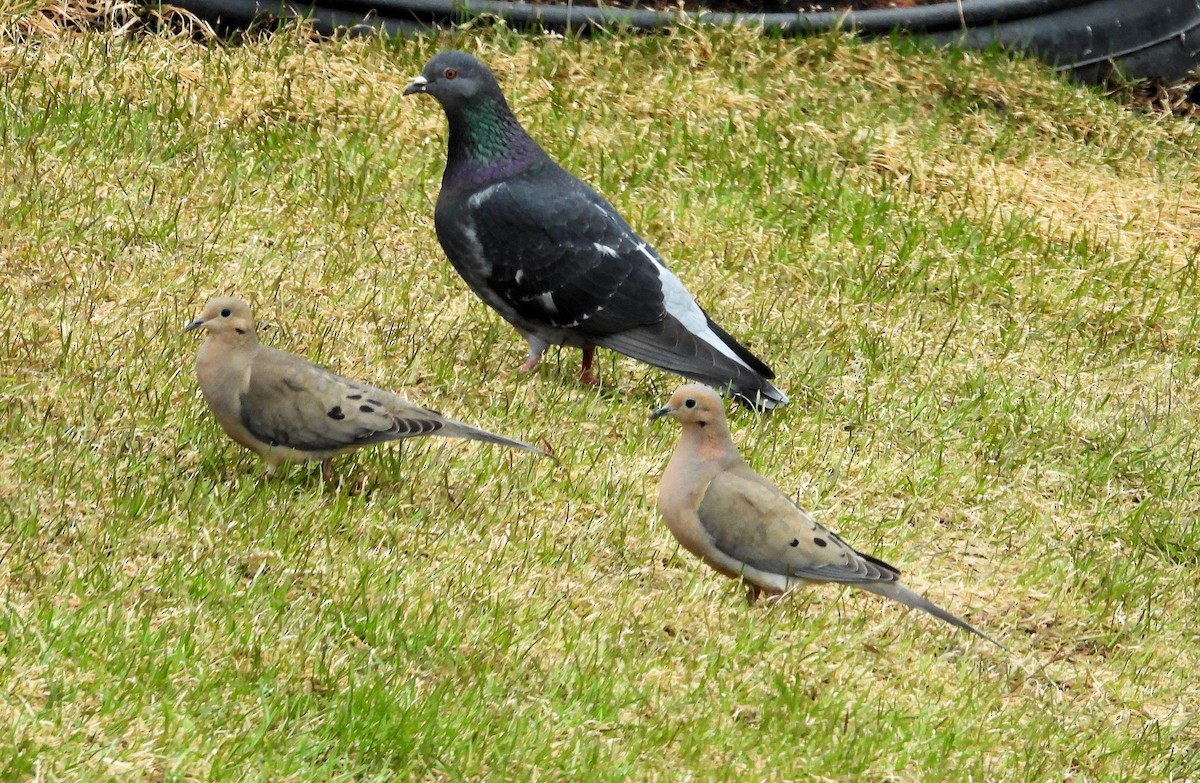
[706,358]
[455,429]
[898,592]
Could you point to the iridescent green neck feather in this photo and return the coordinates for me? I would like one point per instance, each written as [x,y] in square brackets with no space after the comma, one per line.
[486,144]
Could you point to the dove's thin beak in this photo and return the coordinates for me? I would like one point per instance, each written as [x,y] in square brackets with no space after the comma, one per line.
[194,325]
[416,85]
[665,410]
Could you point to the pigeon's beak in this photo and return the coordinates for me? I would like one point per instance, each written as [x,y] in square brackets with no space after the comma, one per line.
[416,85]
[665,410]
[194,325]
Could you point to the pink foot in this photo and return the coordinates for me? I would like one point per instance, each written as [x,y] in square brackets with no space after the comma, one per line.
[529,364]
[327,471]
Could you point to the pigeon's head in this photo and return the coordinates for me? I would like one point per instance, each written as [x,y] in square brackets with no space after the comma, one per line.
[225,315]
[454,78]
[694,405]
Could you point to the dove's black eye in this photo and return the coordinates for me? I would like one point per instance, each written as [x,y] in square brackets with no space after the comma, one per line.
[690,404]
[450,73]
[226,313]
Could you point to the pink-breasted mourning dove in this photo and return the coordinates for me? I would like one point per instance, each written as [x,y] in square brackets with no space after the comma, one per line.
[287,409]
[745,527]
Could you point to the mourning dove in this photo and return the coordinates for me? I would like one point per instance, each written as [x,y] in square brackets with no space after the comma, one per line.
[742,525]
[287,409]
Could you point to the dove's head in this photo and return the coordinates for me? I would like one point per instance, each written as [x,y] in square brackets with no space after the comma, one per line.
[455,79]
[226,316]
[694,405]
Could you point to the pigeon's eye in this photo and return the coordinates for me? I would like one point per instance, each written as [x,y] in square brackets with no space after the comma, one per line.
[690,404]
[450,73]
[227,312]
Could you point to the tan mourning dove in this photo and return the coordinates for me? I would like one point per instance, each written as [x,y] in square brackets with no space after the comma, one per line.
[287,409]
[745,527]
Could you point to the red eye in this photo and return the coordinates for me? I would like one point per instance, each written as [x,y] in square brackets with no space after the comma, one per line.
[450,73]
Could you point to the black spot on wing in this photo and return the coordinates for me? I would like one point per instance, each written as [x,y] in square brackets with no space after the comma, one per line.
[335,413]
[743,543]
[280,406]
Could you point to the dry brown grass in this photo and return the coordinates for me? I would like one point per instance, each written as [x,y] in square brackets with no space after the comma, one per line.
[25,19]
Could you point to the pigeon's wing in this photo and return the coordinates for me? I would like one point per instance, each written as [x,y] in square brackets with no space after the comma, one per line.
[554,252]
[545,250]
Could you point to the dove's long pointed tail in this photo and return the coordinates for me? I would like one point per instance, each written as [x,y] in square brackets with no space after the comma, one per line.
[898,592]
[460,430]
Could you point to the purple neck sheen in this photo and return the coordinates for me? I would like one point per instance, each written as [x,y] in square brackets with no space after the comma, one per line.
[486,144]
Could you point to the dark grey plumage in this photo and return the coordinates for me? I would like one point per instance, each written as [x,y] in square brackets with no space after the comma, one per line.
[554,258]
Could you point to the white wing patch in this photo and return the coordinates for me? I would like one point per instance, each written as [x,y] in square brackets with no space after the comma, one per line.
[475,200]
[605,250]
[644,249]
[547,301]
[583,317]
[680,304]
[476,249]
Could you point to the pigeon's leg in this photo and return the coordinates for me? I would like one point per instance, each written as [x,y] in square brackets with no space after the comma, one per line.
[536,349]
[327,470]
[585,368]
[752,594]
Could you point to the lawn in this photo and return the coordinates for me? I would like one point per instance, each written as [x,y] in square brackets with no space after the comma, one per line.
[979,283]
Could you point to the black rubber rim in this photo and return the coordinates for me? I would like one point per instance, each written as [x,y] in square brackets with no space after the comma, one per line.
[1091,39]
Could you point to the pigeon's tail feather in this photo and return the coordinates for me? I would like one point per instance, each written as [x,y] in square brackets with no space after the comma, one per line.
[752,361]
[762,396]
[898,592]
[457,429]
[671,346]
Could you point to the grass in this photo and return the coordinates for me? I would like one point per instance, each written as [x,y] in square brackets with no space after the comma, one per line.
[978,283]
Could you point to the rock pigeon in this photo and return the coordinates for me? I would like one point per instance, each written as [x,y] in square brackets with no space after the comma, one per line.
[745,527]
[554,258]
[287,409]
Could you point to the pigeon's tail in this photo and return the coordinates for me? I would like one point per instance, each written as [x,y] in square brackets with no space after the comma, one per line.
[456,429]
[898,592]
[713,358]
[762,395]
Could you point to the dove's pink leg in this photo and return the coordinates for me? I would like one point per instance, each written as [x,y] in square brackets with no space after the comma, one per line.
[585,369]
[327,470]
